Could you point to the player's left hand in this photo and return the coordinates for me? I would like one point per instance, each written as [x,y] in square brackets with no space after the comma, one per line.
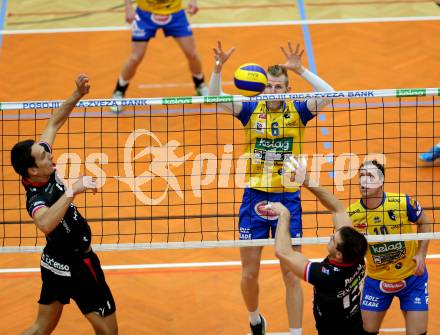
[293,58]
[420,264]
[82,84]
[192,8]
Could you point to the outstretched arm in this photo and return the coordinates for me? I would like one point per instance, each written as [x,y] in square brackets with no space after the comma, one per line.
[215,84]
[298,170]
[294,63]
[293,260]
[59,117]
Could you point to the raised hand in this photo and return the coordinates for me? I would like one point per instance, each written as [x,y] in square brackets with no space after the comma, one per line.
[293,58]
[221,56]
[82,84]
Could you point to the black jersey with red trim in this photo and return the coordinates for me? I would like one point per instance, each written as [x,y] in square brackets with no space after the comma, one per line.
[72,235]
[337,290]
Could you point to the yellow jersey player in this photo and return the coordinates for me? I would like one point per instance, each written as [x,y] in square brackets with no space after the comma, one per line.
[274,132]
[393,268]
[146,19]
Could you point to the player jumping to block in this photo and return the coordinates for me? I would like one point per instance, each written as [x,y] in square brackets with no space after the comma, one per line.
[271,124]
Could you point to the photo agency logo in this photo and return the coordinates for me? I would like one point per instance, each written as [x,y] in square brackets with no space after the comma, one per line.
[221,170]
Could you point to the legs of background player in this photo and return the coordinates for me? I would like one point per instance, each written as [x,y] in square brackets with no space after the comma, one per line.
[294,299]
[416,322]
[188,46]
[103,325]
[128,70]
[250,262]
[47,319]
[372,320]
[432,154]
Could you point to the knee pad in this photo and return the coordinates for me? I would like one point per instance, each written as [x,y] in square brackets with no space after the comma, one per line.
[371,333]
[423,333]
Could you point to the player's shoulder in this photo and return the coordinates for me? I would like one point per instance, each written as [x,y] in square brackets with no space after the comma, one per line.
[395,198]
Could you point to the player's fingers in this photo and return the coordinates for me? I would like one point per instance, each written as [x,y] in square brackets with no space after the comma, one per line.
[297,48]
[88,182]
[301,53]
[294,162]
[284,52]
[289,166]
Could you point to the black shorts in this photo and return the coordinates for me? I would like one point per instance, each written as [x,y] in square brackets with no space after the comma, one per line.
[81,279]
[335,325]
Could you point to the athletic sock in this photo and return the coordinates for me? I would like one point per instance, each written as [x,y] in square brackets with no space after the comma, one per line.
[198,80]
[121,85]
[254,317]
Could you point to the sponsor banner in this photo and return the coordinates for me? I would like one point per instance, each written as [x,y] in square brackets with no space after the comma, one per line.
[41,104]
[177,100]
[220,99]
[330,95]
[410,92]
[227,98]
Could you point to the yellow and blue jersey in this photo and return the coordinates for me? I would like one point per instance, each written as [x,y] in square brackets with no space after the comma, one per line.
[388,261]
[271,137]
[161,7]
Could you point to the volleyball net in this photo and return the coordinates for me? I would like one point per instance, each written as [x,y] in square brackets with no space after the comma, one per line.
[171,171]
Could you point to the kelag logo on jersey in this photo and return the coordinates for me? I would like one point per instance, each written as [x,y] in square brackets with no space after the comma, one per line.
[387,252]
[273,149]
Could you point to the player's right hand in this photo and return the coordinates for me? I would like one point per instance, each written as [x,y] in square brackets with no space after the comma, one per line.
[130,14]
[82,84]
[221,56]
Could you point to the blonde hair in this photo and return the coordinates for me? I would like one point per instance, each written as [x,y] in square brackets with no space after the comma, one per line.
[278,71]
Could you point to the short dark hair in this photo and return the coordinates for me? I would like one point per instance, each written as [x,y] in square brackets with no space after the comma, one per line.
[278,71]
[21,157]
[353,245]
[376,164]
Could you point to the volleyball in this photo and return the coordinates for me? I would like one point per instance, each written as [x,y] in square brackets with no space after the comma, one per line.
[250,79]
